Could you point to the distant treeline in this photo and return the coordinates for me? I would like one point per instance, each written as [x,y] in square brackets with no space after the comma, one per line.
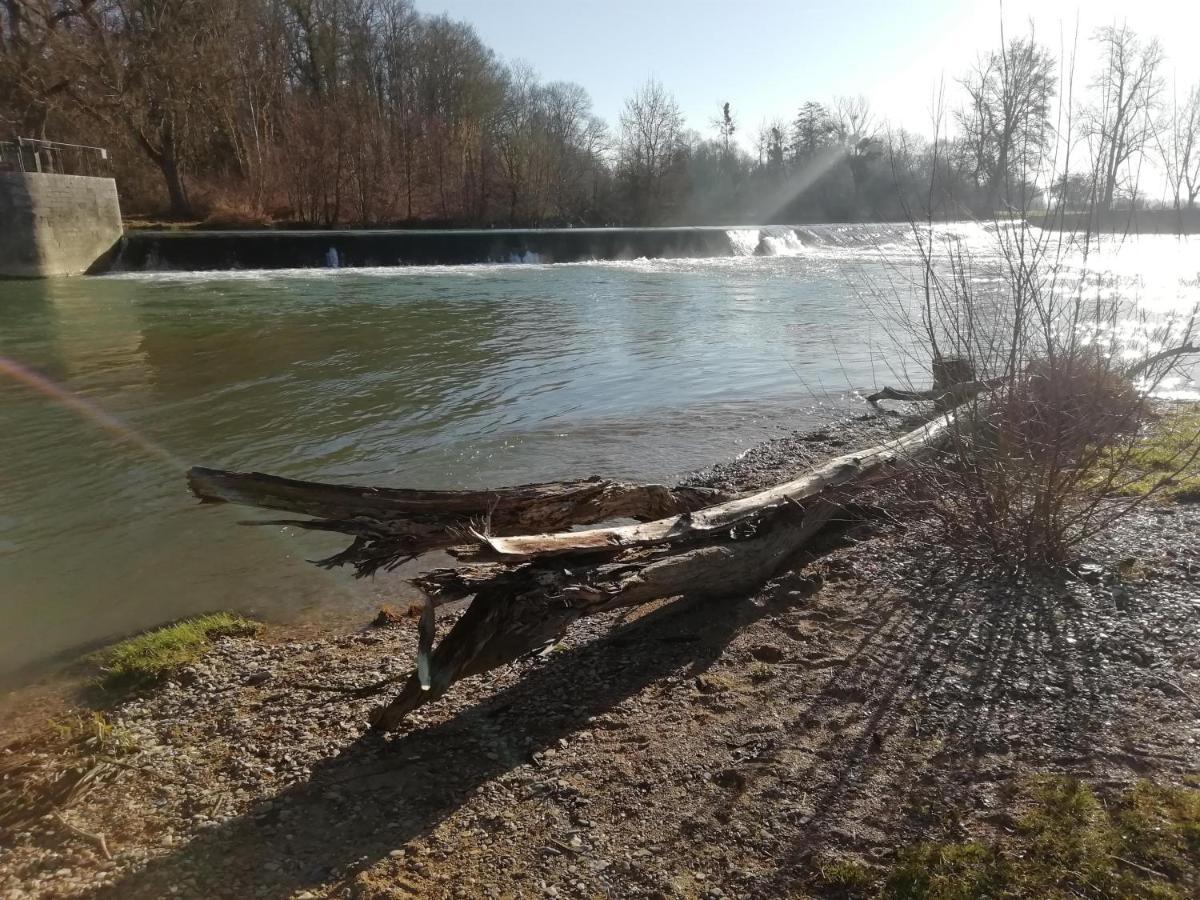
[364,112]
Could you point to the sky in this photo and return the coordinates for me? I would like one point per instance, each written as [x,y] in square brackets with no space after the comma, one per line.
[766,57]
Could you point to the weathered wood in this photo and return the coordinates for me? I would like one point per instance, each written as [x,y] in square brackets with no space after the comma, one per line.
[950,371]
[944,398]
[523,610]
[392,525]
[528,588]
[859,467]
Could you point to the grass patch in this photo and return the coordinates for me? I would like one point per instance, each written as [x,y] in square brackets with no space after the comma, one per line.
[92,732]
[844,878]
[760,672]
[1068,843]
[1162,461]
[146,659]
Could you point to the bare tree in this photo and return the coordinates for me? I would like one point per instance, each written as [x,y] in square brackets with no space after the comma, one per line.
[651,132]
[149,69]
[1006,125]
[1120,123]
[1179,146]
[725,126]
[37,59]
[857,134]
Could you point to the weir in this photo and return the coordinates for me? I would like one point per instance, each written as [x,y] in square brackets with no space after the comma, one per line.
[225,250]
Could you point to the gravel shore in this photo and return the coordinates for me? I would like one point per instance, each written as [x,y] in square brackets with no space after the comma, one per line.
[877,694]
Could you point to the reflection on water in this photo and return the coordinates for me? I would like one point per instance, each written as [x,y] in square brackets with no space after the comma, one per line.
[453,377]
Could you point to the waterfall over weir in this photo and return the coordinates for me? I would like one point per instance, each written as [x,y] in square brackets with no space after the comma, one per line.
[269,249]
[771,240]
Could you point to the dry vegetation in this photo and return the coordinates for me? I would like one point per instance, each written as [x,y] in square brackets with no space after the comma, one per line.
[247,112]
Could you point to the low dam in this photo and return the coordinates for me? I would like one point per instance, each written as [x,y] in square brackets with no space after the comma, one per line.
[223,250]
[53,224]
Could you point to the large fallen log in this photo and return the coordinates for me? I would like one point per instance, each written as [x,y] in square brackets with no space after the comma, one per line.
[527,589]
[522,611]
[393,525]
[859,467]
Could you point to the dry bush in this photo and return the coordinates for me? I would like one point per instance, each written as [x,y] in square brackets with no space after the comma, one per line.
[234,214]
[1039,461]
[1037,464]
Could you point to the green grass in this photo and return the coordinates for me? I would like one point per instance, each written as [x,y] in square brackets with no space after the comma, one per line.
[1145,843]
[1067,843]
[1161,462]
[146,659]
[844,877]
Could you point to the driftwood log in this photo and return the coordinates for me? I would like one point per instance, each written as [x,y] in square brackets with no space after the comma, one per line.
[530,577]
[391,526]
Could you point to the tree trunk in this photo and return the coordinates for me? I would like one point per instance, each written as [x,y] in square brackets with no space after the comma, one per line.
[527,611]
[181,206]
[852,468]
[543,582]
[391,526]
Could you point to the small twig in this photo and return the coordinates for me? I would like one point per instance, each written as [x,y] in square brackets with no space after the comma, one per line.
[142,770]
[1138,866]
[1175,689]
[559,845]
[97,839]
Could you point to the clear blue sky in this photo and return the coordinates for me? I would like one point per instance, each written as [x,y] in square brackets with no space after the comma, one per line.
[768,57]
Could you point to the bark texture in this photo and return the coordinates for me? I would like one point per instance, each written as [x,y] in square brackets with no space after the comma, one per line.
[392,525]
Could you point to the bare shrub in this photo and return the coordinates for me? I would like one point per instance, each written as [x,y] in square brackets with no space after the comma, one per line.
[1063,367]
[226,213]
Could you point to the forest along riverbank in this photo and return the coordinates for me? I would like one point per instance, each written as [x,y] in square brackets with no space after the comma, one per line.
[879,694]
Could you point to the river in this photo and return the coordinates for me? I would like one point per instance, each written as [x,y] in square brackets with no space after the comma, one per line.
[436,377]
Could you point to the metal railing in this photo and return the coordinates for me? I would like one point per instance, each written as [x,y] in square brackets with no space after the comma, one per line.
[53,157]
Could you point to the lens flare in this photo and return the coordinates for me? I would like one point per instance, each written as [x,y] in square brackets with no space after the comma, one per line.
[109,423]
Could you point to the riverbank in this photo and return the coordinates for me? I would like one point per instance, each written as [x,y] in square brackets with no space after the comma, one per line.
[877,696]
[1122,221]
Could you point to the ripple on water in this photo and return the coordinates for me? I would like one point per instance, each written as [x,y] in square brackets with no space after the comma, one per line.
[423,376]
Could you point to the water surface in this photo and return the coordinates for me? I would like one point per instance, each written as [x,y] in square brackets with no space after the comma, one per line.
[468,376]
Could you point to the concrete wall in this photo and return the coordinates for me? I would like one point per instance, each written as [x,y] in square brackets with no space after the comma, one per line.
[56,224]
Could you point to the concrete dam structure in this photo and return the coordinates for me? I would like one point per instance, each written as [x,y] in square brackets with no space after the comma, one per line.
[267,249]
[54,224]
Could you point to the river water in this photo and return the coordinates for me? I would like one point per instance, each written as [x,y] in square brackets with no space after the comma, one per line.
[437,377]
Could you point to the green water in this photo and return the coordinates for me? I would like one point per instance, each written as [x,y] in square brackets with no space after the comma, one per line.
[473,376]
[466,376]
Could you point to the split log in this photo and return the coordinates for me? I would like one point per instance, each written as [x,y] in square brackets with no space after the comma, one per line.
[942,397]
[547,582]
[521,611]
[391,525]
[860,467]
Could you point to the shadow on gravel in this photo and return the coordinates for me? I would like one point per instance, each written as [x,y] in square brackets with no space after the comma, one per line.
[965,682]
[946,687]
[381,792]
